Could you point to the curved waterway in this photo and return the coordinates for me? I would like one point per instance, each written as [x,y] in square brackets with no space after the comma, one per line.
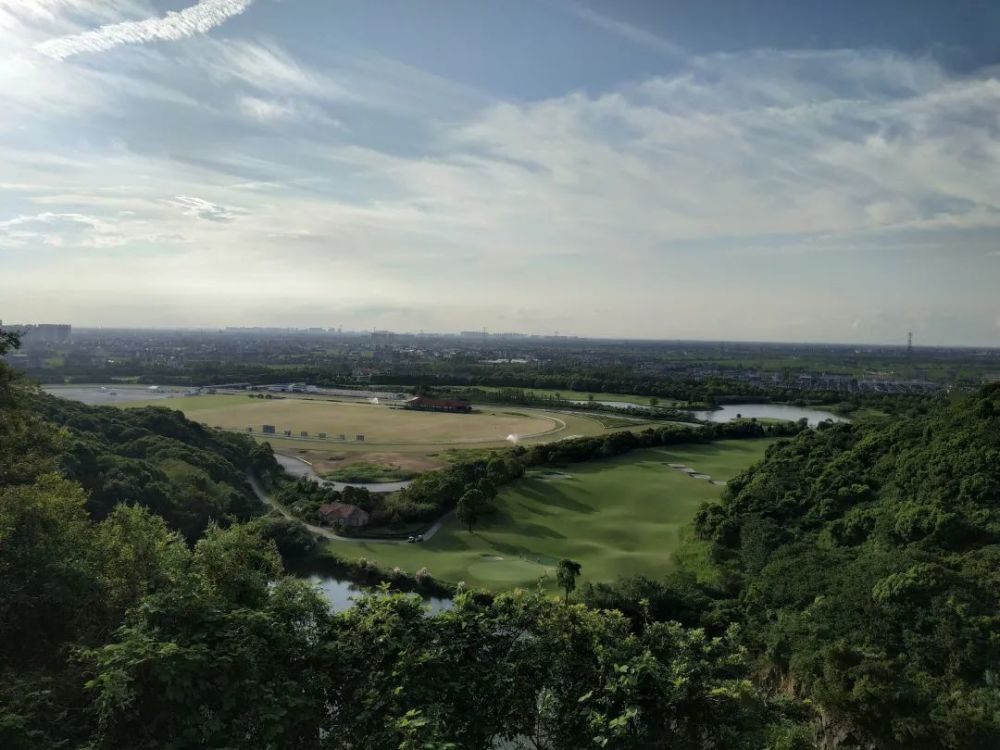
[729,412]
[341,594]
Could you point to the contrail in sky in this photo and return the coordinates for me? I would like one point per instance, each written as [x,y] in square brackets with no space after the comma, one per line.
[197,19]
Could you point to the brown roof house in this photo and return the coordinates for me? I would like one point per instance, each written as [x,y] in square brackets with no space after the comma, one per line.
[343,514]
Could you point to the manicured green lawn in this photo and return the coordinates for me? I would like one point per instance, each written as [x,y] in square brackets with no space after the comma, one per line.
[618,516]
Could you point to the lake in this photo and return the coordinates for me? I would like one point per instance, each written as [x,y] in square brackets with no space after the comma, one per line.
[729,412]
[341,593]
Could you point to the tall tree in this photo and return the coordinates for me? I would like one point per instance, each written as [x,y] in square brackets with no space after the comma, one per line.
[470,508]
[9,340]
[566,574]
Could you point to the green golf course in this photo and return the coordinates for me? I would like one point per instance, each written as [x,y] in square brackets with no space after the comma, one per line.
[617,516]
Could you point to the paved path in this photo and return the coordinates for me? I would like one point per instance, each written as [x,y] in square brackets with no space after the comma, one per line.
[266,499]
[332,535]
[298,467]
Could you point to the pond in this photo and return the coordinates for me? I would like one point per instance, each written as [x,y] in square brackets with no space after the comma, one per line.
[615,404]
[729,412]
[340,594]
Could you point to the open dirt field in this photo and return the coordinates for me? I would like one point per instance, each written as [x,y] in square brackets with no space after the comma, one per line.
[381,425]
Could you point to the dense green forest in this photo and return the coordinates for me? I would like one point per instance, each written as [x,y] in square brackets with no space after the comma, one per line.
[154,457]
[848,599]
[864,566]
[119,631]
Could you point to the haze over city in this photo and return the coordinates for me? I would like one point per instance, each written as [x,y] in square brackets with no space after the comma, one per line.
[762,171]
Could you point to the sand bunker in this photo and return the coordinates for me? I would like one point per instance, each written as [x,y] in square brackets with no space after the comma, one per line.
[694,474]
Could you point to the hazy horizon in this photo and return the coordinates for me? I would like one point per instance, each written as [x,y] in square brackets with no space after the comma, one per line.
[494,334]
[735,171]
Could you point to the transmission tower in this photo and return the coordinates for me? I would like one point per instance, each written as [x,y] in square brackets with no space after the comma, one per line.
[909,344]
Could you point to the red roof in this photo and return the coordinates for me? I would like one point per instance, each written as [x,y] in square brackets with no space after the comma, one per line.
[342,511]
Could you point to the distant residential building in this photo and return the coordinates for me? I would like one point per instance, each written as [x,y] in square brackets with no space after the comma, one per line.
[383,338]
[365,374]
[343,514]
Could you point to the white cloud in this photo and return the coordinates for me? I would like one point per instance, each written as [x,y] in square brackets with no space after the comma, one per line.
[203,209]
[56,229]
[196,19]
[622,29]
[284,111]
[649,196]
[368,81]
[266,67]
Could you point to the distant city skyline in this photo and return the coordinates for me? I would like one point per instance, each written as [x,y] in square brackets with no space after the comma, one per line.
[681,170]
[466,334]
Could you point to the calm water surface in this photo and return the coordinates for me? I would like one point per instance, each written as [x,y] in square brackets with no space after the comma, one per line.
[340,594]
[729,412]
[615,404]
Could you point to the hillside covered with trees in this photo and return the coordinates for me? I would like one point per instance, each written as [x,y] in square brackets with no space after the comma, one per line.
[848,598]
[864,566]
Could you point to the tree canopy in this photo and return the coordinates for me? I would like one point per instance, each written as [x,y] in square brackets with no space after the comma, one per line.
[864,563]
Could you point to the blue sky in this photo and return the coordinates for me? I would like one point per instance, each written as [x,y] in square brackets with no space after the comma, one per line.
[731,170]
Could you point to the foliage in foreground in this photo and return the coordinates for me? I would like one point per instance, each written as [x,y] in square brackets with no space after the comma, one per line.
[860,564]
[865,567]
[116,631]
[120,635]
[155,457]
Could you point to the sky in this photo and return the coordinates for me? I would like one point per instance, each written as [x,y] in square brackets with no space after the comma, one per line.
[735,169]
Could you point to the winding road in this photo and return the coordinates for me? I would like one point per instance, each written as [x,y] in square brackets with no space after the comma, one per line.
[324,532]
[299,467]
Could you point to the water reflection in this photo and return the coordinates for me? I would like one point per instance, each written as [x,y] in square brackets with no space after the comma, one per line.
[341,594]
[730,412]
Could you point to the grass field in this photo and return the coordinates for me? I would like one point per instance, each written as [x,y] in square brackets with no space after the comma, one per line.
[381,425]
[618,516]
[404,442]
[367,471]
